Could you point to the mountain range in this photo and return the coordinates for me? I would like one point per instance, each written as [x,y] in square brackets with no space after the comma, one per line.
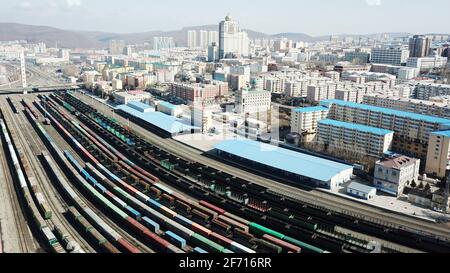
[96,39]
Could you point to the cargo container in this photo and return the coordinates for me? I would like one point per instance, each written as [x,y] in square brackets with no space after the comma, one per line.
[175,239]
[152,225]
[43,206]
[206,243]
[288,247]
[199,250]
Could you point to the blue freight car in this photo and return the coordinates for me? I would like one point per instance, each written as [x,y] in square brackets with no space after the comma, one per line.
[175,239]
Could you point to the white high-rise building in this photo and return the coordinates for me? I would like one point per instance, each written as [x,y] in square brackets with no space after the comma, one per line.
[192,38]
[64,54]
[213,37]
[233,42]
[163,43]
[390,55]
[116,47]
[203,39]
[253,101]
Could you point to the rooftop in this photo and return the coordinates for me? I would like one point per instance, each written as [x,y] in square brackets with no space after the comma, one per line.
[386,111]
[310,109]
[165,122]
[442,133]
[302,164]
[398,162]
[356,127]
[361,188]
[255,91]
[167,105]
[434,85]
[441,104]
[140,106]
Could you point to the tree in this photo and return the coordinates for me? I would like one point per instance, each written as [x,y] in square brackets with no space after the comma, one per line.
[428,187]
[413,184]
[421,185]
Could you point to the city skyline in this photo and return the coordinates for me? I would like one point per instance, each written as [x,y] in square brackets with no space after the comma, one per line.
[341,17]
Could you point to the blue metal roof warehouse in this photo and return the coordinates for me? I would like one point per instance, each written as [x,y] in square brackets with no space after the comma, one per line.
[303,165]
[168,124]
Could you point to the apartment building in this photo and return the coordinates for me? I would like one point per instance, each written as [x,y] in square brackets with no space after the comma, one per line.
[304,121]
[365,140]
[369,77]
[324,91]
[275,85]
[392,55]
[425,91]
[427,63]
[253,101]
[440,109]
[412,131]
[294,89]
[199,92]
[438,158]
[350,94]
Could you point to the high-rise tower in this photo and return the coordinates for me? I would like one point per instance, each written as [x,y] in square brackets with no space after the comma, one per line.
[233,42]
[419,46]
[192,38]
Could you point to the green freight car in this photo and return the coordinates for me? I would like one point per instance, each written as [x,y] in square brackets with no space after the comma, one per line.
[206,243]
[167,165]
[261,230]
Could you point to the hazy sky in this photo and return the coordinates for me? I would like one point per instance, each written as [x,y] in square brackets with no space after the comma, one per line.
[314,17]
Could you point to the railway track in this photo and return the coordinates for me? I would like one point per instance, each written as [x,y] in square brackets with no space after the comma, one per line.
[314,197]
[20,222]
[377,216]
[16,125]
[56,202]
[20,138]
[118,228]
[108,220]
[259,219]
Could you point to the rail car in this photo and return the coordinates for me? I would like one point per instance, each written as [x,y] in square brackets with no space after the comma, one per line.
[13,105]
[52,243]
[256,190]
[103,227]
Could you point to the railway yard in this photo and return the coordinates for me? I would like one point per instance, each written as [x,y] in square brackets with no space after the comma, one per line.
[77,178]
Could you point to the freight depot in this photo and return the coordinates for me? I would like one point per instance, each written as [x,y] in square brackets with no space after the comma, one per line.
[124,194]
[221,180]
[159,218]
